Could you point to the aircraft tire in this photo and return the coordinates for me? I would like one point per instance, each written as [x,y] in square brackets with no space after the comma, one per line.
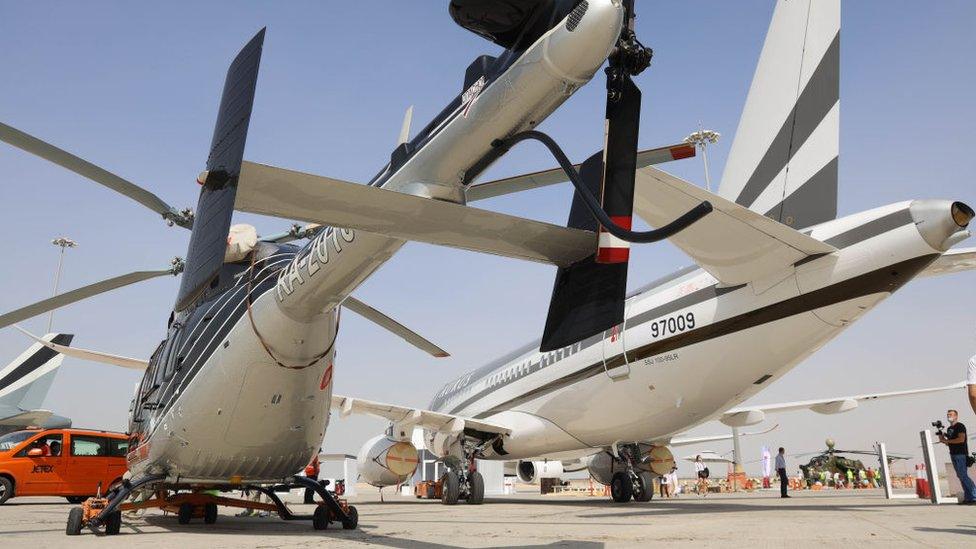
[646,491]
[113,523]
[621,488]
[476,493]
[185,513]
[451,490]
[6,489]
[320,518]
[353,519]
[75,516]
[210,513]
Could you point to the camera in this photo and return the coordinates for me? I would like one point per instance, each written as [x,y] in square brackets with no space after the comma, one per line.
[939,427]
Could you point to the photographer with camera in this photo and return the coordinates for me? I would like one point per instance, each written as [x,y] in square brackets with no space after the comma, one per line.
[955,438]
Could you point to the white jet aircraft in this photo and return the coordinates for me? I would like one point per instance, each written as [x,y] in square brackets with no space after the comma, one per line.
[776,278]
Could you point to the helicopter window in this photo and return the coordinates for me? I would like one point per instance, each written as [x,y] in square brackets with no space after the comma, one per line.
[168,360]
[146,386]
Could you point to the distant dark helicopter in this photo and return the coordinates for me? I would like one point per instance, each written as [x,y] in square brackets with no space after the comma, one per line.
[830,461]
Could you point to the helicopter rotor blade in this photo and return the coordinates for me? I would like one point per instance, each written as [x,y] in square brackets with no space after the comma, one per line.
[82,167]
[85,292]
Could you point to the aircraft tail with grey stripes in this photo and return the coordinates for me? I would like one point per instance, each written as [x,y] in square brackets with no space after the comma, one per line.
[25,382]
[783,161]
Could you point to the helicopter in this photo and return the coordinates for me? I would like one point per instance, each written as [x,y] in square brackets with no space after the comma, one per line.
[831,461]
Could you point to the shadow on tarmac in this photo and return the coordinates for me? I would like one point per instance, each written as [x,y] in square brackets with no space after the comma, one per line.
[272,527]
[963,529]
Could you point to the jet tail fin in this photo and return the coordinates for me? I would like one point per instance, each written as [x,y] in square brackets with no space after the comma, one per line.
[25,381]
[783,161]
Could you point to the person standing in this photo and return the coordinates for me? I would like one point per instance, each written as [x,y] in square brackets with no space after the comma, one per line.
[850,478]
[781,471]
[665,482]
[702,473]
[312,472]
[956,439]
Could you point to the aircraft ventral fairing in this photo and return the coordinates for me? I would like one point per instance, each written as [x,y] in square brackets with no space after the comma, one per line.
[238,392]
[776,278]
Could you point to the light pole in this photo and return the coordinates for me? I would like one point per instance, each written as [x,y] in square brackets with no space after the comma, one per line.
[61,242]
[701,139]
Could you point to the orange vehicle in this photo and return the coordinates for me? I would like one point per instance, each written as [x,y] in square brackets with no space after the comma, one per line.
[73,463]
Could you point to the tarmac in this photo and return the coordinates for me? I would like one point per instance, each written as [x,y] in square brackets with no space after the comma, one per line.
[808,519]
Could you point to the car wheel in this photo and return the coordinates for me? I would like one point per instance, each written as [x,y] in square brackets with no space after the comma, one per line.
[6,489]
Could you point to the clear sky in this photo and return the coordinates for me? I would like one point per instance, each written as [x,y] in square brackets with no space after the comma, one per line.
[134,87]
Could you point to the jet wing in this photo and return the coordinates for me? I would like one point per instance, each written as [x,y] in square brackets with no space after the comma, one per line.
[26,419]
[953,261]
[84,354]
[696,440]
[734,244]
[414,417]
[278,192]
[750,415]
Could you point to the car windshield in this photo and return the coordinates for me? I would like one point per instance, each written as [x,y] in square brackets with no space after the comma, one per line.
[10,440]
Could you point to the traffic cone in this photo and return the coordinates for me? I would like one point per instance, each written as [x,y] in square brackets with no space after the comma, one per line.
[922,487]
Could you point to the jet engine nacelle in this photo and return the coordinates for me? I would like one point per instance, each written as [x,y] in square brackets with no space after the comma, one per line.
[387,462]
[532,471]
[836,407]
[505,22]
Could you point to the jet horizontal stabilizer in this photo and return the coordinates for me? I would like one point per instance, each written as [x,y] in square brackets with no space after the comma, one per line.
[953,261]
[27,419]
[734,244]
[84,354]
[284,193]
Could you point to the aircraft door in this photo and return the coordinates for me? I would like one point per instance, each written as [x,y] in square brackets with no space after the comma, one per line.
[614,351]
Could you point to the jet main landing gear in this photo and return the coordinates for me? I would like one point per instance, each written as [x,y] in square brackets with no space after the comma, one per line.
[633,481]
[468,486]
